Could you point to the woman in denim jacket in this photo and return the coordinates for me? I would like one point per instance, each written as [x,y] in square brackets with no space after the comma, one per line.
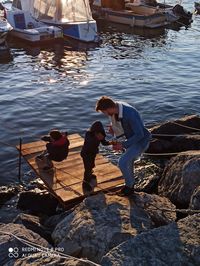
[137,137]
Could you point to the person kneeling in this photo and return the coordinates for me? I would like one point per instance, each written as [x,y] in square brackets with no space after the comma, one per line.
[56,149]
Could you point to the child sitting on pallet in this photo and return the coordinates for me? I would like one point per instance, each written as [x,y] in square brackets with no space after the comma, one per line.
[56,149]
[93,137]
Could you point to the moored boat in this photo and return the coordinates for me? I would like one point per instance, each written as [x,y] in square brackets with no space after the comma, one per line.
[118,12]
[74,17]
[150,7]
[142,13]
[28,28]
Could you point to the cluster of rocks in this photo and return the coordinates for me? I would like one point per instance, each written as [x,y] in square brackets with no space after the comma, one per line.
[105,229]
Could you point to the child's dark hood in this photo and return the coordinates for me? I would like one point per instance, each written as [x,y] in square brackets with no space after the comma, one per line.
[97,126]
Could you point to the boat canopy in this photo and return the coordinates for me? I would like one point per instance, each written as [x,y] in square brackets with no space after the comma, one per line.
[61,11]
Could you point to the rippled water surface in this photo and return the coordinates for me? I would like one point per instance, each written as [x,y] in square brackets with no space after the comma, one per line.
[57,87]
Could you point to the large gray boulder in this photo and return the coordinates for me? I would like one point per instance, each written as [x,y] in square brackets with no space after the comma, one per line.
[159,209]
[101,222]
[180,178]
[184,125]
[52,221]
[147,176]
[162,143]
[174,244]
[33,223]
[10,245]
[51,259]
[195,199]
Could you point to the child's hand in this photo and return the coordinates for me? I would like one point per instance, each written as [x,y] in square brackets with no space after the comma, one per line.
[118,146]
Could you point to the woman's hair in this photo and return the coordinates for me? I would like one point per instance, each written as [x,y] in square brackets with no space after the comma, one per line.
[104,103]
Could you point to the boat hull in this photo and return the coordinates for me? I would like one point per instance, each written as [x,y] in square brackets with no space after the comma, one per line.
[132,19]
[27,28]
[81,31]
[35,35]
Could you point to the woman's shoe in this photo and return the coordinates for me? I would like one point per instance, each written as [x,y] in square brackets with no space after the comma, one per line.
[126,191]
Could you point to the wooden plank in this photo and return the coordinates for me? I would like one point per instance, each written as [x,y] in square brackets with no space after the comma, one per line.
[106,186]
[78,171]
[103,172]
[70,165]
[58,187]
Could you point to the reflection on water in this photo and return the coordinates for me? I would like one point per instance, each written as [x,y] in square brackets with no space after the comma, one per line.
[130,42]
[109,27]
[61,60]
[5,54]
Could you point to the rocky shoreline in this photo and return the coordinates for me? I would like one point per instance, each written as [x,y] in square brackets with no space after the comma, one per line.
[106,229]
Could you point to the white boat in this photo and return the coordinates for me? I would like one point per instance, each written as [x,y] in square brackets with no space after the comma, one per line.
[28,28]
[5,27]
[118,12]
[135,12]
[74,17]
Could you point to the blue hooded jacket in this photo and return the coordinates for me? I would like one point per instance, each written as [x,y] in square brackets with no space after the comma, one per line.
[134,129]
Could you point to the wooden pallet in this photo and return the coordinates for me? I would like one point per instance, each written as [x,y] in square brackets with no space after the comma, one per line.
[65,180]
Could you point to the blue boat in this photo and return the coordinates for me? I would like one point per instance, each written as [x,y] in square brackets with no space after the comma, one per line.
[74,17]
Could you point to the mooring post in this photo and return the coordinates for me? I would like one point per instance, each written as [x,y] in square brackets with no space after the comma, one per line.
[20,159]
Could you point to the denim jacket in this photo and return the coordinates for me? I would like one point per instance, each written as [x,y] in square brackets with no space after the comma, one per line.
[134,129]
